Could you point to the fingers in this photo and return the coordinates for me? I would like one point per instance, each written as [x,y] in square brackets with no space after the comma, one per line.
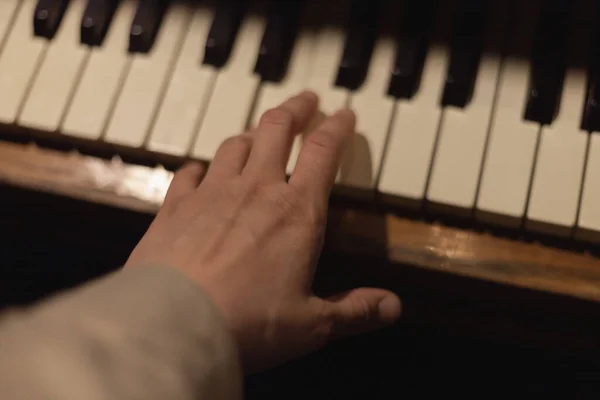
[321,154]
[231,157]
[185,181]
[265,151]
[274,136]
[362,310]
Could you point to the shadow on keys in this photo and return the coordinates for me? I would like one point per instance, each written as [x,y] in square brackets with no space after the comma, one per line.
[357,166]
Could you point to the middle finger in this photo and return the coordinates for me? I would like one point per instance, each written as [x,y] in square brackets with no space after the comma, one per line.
[275,133]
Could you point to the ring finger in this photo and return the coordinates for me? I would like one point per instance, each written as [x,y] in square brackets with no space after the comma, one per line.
[275,134]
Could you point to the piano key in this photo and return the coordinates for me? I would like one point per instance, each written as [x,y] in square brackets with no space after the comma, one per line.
[412,137]
[146,25]
[591,114]
[328,51]
[19,61]
[146,81]
[102,78]
[548,61]
[96,20]
[8,12]
[223,32]
[557,179]
[229,107]
[278,40]
[329,48]
[461,144]
[411,41]
[48,16]
[361,31]
[591,117]
[559,167]
[188,94]
[588,225]
[465,55]
[294,80]
[58,75]
[506,174]
[374,110]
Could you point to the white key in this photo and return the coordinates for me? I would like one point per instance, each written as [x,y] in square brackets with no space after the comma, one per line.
[374,109]
[272,94]
[414,128]
[512,142]
[235,88]
[102,78]
[19,61]
[463,133]
[147,78]
[8,10]
[58,75]
[558,174]
[188,93]
[588,226]
[328,52]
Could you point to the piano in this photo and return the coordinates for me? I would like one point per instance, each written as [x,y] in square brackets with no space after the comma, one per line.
[477,154]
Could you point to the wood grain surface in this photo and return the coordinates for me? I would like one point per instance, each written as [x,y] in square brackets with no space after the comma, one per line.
[398,240]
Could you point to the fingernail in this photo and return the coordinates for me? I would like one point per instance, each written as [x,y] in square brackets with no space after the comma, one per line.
[390,308]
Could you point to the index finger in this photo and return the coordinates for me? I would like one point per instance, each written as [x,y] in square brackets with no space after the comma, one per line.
[321,154]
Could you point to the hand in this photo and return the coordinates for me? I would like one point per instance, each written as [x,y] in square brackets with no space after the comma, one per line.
[252,239]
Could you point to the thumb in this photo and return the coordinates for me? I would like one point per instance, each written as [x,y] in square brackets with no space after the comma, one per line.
[362,310]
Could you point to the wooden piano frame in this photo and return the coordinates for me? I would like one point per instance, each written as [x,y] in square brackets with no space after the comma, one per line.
[498,285]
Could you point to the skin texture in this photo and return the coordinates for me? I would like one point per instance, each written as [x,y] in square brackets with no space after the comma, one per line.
[251,237]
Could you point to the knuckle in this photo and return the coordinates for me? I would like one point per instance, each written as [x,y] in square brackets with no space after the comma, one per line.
[323,326]
[363,310]
[172,202]
[316,216]
[324,140]
[290,207]
[277,116]
[314,213]
[322,333]
[286,201]
[236,141]
[295,208]
[171,207]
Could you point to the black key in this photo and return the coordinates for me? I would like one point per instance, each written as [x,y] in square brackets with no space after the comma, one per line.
[467,44]
[278,40]
[548,62]
[361,31]
[412,40]
[47,17]
[146,24]
[223,32]
[591,113]
[96,20]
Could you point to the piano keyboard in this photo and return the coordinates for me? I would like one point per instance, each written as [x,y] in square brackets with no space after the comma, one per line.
[484,109]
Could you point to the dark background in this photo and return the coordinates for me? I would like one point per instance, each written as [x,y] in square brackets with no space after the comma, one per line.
[51,243]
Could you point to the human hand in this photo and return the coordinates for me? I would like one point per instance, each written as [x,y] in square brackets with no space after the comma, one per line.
[252,239]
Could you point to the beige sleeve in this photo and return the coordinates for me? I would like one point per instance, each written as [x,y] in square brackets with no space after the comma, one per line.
[142,333]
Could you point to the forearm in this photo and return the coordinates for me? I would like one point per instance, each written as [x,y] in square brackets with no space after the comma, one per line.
[139,333]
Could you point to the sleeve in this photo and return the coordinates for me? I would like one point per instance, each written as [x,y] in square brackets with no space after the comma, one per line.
[139,333]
